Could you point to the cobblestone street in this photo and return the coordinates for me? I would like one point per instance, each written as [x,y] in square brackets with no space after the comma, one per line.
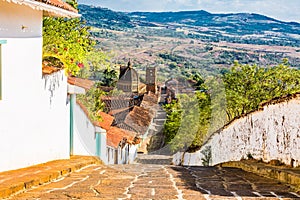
[154,181]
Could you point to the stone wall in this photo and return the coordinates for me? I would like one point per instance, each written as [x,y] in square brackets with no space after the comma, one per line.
[271,133]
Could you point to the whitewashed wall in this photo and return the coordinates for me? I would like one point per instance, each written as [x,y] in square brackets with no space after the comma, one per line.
[34,113]
[85,141]
[127,154]
[269,134]
[111,155]
[18,21]
[132,153]
[124,154]
[84,133]
[34,117]
[120,155]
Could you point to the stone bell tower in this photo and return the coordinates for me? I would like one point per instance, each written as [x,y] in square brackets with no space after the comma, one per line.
[151,82]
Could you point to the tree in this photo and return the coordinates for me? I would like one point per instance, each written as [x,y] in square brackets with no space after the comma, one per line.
[173,121]
[247,86]
[236,92]
[92,101]
[67,40]
[95,63]
[73,3]
[110,77]
[187,121]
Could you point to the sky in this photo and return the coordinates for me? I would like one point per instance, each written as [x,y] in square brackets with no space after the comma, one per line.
[285,10]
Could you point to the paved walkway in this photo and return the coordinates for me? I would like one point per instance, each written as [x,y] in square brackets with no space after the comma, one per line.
[15,181]
[284,174]
[86,178]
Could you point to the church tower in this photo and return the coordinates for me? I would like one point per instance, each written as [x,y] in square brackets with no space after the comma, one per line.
[151,82]
[128,79]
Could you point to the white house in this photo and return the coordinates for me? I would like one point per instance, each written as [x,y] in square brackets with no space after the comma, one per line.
[121,145]
[97,138]
[86,136]
[34,108]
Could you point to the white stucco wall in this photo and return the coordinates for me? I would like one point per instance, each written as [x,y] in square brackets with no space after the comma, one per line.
[269,134]
[17,21]
[111,155]
[34,114]
[127,154]
[34,110]
[84,134]
[132,153]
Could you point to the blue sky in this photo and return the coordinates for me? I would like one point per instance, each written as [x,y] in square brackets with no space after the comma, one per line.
[286,10]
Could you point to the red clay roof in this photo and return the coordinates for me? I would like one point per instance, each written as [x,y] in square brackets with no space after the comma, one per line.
[116,111]
[107,120]
[59,4]
[140,116]
[139,119]
[49,70]
[84,83]
[115,135]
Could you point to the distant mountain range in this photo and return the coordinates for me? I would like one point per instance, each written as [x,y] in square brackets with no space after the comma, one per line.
[239,28]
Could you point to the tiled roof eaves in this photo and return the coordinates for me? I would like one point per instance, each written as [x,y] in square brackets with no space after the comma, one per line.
[115,135]
[59,4]
[56,8]
[83,83]
[107,120]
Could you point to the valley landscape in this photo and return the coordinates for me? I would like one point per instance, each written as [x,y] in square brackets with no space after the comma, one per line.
[149,105]
[181,43]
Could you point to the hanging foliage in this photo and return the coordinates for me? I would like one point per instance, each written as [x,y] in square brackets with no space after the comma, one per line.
[68,40]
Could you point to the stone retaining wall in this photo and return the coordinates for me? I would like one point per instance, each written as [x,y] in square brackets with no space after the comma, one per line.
[271,133]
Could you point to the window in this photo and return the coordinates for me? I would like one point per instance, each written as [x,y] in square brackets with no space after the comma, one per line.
[1,42]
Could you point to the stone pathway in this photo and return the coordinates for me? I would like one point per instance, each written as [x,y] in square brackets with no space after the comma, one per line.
[156,181]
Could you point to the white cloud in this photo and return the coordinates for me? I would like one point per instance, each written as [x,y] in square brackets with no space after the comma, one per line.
[279,9]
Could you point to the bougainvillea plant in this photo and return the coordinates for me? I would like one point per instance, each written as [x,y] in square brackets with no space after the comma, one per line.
[67,40]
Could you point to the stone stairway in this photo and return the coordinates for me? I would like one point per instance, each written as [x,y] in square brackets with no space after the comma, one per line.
[153,139]
[154,159]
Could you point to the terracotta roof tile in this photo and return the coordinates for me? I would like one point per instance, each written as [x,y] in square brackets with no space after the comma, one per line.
[59,4]
[116,111]
[110,143]
[107,120]
[49,70]
[127,127]
[115,135]
[150,99]
[57,8]
[84,83]
[139,118]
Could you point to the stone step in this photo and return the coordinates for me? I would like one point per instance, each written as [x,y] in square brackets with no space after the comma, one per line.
[154,159]
[159,121]
[161,115]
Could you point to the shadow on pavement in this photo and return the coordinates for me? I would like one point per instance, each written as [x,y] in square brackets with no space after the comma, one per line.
[231,182]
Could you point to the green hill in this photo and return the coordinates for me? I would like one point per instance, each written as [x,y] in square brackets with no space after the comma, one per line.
[239,28]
